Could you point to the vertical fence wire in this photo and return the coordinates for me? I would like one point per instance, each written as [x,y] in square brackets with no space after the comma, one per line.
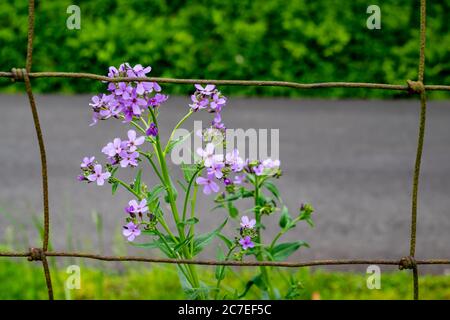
[418,87]
[40,138]
[420,142]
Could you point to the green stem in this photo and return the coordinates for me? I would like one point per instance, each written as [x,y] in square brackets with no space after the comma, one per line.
[166,178]
[152,163]
[259,254]
[175,255]
[126,186]
[192,227]
[166,227]
[175,129]
[188,190]
[172,202]
[281,233]
[222,271]
[138,127]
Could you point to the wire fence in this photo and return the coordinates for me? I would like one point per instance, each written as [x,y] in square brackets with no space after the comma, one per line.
[413,87]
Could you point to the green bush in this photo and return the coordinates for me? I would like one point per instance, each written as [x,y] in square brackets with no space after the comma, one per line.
[296,40]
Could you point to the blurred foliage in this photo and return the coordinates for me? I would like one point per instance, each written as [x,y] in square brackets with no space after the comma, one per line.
[24,280]
[291,40]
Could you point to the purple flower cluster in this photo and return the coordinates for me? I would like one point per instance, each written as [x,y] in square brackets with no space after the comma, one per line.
[127,100]
[131,231]
[135,209]
[212,100]
[247,232]
[124,152]
[230,169]
[219,168]
[93,172]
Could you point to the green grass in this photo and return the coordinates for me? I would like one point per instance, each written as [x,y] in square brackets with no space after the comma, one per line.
[20,279]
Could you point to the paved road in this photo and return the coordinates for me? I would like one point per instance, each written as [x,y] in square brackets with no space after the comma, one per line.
[352,159]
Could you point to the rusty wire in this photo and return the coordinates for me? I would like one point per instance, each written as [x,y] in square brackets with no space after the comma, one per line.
[413,87]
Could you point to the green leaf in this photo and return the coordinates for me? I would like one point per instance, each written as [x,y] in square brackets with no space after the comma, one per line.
[183,244]
[283,250]
[113,171]
[114,187]
[220,270]
[232,210]
[273,189]
[182,185]
[257,281]
[189,221]
[227,241]
[137,181]
[239,194]
[157,244]
[188,171]
[251,178]
[155,192]
[192,221]
[175,142]
[285,218]
[203,240]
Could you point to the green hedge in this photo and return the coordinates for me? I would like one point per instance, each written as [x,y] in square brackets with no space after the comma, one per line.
[292,40]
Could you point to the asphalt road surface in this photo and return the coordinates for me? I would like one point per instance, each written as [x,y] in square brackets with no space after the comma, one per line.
[353,160]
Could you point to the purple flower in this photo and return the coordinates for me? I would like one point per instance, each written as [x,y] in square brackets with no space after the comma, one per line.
[217,103]
[271,164]
[138,71]
[197,103]
[138,207]
[207,90]
[133,104]
[122,89]
[129,159]
[131,231]
[208,155]
[246,243]
[238,179]
[258,170]
[130,210]
[97,102]
[247,223]
[98,175]
[87,162]
[152,130]
[81,177]
[217,122]
[234,161]
[113,72]
[216,169]
[95,118]
[209,185]
[115,147]
[157,100]
[133,142]
[112,110]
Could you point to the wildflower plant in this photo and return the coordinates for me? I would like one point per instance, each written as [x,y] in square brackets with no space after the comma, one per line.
[226,175]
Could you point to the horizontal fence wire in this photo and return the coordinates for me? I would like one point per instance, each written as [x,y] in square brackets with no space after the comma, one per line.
[413,87]
[257,83]
[403,263]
